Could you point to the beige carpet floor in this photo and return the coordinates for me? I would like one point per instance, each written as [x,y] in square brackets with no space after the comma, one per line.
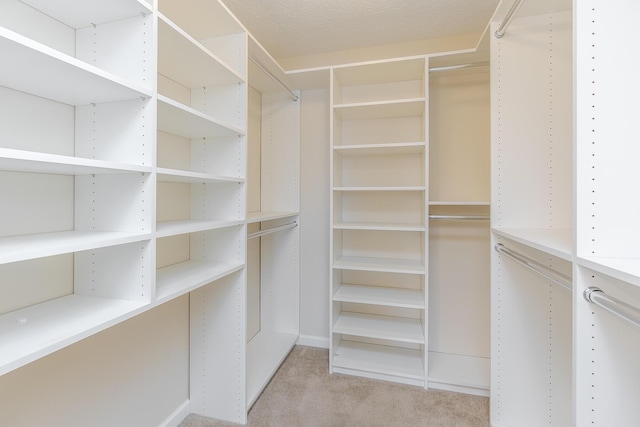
[302,393]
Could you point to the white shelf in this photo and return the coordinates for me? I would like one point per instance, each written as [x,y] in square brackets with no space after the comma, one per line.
[386,71]
[554,241]
[384,109]
[177,48]
[22,248]
[67,80]
[380,265]
[174,228]
[390,328]
[407,188]
[179,119]
[380,149]
[458,203]
[390,297]
[174,175]
[33,332]
[378,226]
[182,278]
[253,217]
[35,162]
[380,359]
[82,14]
[265,353]
[459,373]
[625,269]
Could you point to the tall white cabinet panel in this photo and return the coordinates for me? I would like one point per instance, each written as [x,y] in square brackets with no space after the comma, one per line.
[531,217]
[76,246]
[607,231]
[379,174]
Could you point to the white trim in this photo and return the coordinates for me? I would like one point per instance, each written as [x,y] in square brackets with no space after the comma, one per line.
[178,415]
[313,341]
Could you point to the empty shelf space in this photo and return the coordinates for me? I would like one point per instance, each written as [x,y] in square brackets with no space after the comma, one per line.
[265,353]
[179,119]
[389,265]
[455,372]
[253,217]
[380,149]
[173,175]
[35,162]
[177,48]
[33,332]
[554,241]
[625,269]
[380,226]
[67,80]
[21,248]
[458,203]
[408,188]
[390,328]
[382,109]
[174,228]
[77,14]
[378,295]
[182,278]
[380,359]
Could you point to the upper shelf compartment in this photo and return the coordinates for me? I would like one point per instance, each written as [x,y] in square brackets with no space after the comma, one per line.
[379,82]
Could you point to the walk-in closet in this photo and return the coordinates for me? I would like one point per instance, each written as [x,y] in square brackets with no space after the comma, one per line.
[190,189]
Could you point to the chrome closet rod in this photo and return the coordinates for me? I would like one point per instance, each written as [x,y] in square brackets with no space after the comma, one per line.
[273,77]
[613,305]
[507,19]
[459,66]
[556,277]
[465,217]
[271,230]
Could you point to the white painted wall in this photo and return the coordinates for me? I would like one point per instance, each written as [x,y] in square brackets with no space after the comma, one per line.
[314,218]
[134,374]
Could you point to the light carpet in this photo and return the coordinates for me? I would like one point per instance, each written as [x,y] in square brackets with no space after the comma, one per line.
[302,393]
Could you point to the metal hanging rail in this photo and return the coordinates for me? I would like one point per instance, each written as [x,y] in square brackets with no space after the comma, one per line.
[459,66]
[463,217]
[545,271]
[507,19]
[273,77]
[596,296]
[271,230]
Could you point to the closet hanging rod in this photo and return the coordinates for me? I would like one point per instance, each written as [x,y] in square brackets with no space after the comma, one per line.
[556,277]
[507,19]
[464,217]
[272,230]
[459,66]
[273,77]
[613,305]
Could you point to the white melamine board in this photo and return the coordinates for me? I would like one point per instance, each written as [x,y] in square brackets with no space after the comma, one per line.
[67,79]
[393,130]
[178,279]
[34,332]
[393,297]
[405,188]
[231,50]
[20,248]
[380,264]
[253,217]
[381,109]
[84,14]
[388,207]
[394,170]
[227,103]
[172,175]
[386,360]
[254,150]
[29,161]
[182,120]
[379,226]
[458,203]
[203,19]
[183,59]
[557,242]
[219,156]
[381,72]
[391,328]
[471,374]
[380,149]
[625,269]
[265,353]
[172,228]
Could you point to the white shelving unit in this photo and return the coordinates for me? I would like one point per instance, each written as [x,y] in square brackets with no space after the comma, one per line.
[378,244]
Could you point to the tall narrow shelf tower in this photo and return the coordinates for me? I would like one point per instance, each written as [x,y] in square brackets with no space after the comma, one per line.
[378,228]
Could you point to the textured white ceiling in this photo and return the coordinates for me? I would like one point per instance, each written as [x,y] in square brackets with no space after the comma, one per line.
[290,28]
